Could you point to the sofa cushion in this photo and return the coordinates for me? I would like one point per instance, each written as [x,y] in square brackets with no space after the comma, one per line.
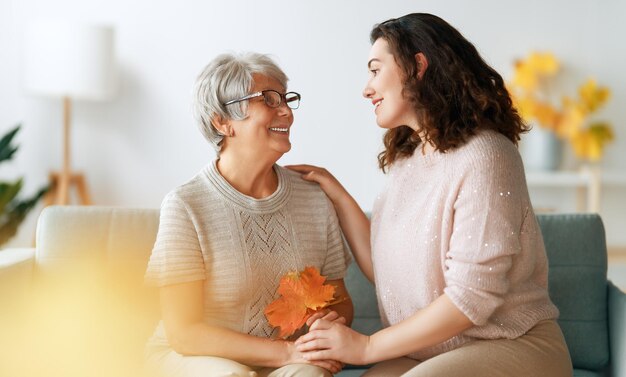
[366,316]
[587,373]
[577,258]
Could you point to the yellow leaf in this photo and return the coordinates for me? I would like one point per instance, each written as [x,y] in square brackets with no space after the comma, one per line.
[546,115]
[593,96]
[571,121]
[595,151]
[543,63]
[589,143]
[601,131]
[525,106]
[524,77]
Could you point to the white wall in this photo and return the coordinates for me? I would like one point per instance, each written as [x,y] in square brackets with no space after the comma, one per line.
[137,147]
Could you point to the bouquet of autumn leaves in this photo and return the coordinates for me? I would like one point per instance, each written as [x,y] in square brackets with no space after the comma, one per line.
[301,295]
[531,89]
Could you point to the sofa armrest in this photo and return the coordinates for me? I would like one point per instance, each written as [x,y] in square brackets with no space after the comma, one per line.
[16,271]
[617,330]
[16,265]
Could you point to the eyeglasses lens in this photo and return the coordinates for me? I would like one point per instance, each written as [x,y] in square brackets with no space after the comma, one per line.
[293,100]
[272,98]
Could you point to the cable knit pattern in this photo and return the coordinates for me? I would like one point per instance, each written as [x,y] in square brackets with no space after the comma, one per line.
[241,247]
[461,223]
[267,242]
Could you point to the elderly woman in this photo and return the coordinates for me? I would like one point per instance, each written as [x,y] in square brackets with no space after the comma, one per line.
[228,235]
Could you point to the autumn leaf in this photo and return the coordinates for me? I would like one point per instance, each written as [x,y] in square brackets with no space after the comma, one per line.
[531,72]
[593,96]
[288,313]
[589,143]
[543,63]
[302,293]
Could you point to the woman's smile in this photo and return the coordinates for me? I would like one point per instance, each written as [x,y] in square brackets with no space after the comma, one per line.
[280,130]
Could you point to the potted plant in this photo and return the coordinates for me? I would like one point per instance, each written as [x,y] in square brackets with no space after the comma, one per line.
[13,210]
[567,119]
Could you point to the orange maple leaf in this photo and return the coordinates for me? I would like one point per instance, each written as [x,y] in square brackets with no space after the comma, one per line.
[302,293]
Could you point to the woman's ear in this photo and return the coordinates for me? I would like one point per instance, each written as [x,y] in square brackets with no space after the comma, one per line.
[222,126]
[422,64]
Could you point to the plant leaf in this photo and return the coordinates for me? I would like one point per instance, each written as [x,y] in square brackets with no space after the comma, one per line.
[6,149]
[13,210]
[8,191]
[10,220]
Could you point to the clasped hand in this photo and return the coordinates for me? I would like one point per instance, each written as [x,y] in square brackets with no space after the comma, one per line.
[330,339]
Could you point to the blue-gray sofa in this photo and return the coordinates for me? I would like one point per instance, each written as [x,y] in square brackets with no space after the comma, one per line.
[593,310]
[103,308]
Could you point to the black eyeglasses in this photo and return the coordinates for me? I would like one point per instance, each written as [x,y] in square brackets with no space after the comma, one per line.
[272,98]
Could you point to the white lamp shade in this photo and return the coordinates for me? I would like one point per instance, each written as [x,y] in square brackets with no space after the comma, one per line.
[69,60]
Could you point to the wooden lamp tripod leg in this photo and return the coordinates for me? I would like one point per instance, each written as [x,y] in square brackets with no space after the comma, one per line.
[60,183]
[64,179]
[81,187]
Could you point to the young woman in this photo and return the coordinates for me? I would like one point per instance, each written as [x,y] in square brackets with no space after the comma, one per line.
[453,247]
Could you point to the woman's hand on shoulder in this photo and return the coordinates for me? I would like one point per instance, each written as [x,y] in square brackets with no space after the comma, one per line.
[331,186]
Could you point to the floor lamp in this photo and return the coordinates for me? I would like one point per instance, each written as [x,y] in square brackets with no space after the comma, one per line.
[71,62]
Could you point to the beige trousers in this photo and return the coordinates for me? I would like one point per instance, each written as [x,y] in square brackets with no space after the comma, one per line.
[169,363]
[540,352]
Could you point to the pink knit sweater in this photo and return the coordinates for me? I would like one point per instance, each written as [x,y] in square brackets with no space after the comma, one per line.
[461,223]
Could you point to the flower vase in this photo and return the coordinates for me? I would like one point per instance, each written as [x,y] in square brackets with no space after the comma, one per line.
[541,150]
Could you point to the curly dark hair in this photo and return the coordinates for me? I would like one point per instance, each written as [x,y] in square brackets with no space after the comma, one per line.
[458,94]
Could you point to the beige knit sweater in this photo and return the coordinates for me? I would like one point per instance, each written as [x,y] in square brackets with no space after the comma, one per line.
[461,223]
[241,247]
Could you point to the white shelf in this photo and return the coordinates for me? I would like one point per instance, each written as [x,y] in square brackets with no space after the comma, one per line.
[557,179]
[588,181]
[613,178]
[562,178]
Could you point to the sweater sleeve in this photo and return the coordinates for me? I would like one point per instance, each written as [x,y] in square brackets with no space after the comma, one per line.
[337,255]
[177,255]
[488,215]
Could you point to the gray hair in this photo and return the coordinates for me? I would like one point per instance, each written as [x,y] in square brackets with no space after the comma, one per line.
[225,78]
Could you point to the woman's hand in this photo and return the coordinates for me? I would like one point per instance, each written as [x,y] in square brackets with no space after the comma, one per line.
[331,186]
[297,357]
[327,314]
[353,221]
[332,340]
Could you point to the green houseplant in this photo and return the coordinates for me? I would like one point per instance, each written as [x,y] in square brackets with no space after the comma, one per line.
[12,209]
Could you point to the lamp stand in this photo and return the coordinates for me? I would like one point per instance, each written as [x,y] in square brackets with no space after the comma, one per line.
[60,183]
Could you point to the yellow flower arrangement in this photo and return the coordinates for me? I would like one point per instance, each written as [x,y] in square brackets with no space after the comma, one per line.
[532,80]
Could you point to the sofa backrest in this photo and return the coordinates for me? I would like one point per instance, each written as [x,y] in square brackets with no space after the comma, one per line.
[366,316]
[577,257]
[90,297]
